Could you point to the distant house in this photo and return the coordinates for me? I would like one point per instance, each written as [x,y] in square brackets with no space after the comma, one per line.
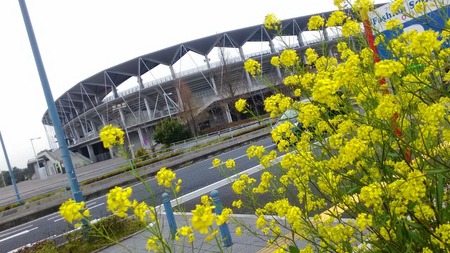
[51,163]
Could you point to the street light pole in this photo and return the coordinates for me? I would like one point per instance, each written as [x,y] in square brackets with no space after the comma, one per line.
[35,156]
[73,181]
[11,174]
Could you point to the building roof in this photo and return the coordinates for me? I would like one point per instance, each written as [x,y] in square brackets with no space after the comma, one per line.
[96,87]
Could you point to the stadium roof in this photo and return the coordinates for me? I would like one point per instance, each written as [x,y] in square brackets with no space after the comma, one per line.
[98,86]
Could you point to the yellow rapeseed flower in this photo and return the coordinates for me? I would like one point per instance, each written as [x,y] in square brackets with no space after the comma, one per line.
[73,211]
[363,6]
[443,234]
[223,217]
[275,61]
[253,67]
[118,201]
[203,217]
[397,5]
[165,177]
[394,24]
[351,28]
[154,244]
[216,162]
[311,56]
[142,211]
[255,151]
[271,22]
[288,57]
[387,68]
[186,231]
[315,23]
[336,18]
[240,105]
[238,231]
[111,136]
[230,163]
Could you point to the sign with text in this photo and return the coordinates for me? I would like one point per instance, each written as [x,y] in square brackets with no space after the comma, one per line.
[436,15]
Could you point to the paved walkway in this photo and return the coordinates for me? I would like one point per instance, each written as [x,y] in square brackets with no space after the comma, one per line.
[246,243]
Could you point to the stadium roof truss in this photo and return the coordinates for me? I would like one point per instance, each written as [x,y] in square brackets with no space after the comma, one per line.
[90,94]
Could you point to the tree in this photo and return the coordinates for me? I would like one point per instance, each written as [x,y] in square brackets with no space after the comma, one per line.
[189,105]
[170,130]
[230,83]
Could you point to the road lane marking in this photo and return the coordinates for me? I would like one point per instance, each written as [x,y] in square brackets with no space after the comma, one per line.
[92,207]
[54,216]
[199,192]
[18,234]
[222,163]
[91,203]
[16,229]
[238,157]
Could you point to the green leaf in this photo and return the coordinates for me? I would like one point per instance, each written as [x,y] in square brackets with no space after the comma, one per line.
[293,249]
[437,171]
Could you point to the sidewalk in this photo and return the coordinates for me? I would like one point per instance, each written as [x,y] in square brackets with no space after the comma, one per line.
[246,243]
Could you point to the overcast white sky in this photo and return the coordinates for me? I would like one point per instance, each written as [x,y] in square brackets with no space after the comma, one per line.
[79,38]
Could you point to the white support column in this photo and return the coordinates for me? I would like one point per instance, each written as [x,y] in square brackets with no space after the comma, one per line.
[213,82]
[211,78]
[140,83]
[227,113]
[141,138]
[247,75]
[179,98]
[115,93]
[147,107]
[91,153]
[300,40]
[172,71]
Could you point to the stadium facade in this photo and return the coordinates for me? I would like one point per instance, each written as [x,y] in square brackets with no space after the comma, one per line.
[203,93]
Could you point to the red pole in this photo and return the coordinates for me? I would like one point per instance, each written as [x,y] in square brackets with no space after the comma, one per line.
[371,41]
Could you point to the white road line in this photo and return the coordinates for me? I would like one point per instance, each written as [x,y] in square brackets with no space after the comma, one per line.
[16,229]
[212,167]
[218,184]
[18,234]
[91,203]
[92,207]
[54,217]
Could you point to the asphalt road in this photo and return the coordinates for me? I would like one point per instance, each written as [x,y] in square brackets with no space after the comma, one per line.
[198,179]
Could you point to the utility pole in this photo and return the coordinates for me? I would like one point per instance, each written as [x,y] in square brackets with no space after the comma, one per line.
[11,174]
[73,181]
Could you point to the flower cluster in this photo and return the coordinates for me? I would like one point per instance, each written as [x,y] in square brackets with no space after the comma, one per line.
[253,67]
[73,211]
[372,146]
[165,177]
[203,216]
[271,22]
[240,105]
[118,201]
[111,136]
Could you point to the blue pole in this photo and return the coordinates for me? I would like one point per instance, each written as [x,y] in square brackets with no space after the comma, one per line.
[224,230]
[73,181]
[11,174]
[169,214]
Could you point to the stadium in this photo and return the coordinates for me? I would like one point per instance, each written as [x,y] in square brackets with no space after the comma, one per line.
[196,81]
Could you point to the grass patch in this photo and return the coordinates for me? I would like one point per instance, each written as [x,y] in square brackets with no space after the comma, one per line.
[106,232]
